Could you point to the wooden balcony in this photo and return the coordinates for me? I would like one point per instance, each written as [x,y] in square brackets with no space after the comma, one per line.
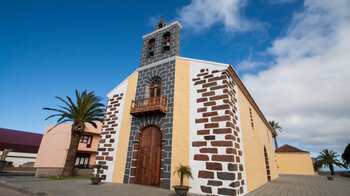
[149,106]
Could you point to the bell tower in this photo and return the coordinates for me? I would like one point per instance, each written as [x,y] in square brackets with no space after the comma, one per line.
[162,43]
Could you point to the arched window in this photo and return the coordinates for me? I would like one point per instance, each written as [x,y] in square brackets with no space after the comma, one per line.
[166,42]
[155,88]
[151,45]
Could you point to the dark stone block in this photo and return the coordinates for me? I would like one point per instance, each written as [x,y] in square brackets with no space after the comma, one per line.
[206,189]
[232,167]
[214,183]
[226,176]
[235,184]
[225,191]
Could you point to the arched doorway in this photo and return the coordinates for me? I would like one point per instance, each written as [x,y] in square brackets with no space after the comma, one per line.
[148,165]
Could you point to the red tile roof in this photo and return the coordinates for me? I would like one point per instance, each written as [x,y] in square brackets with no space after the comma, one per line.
[288,148]
[19,141]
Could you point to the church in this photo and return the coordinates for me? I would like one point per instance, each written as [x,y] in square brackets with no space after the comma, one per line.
[174,110]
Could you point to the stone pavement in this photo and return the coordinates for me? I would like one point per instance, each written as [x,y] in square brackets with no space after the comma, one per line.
[11,192]
[82,187]
[298,185]
[285,185]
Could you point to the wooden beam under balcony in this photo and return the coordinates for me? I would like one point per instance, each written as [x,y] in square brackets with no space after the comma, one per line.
[149,106]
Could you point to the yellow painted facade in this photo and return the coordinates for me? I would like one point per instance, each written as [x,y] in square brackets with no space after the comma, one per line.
[125,126]
[181,126]
[254,141]
[294,163]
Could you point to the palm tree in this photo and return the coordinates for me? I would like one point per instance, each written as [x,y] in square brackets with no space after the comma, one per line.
[327,158]
[87,109]
[183,171]
[346,156]
[275,126]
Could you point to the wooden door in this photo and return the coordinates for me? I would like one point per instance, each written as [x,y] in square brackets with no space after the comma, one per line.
[149,157]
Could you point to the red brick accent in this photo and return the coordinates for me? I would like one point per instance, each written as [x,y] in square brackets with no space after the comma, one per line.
[201,120]
[220,107]
[197,144]
[230,124]
[201,90]
[208,94]
[200,82]
[108,136]
[202,132]
[218,87]
[105,153]
[230,137]
[201,110]
[221,143]
[210,114]
[211,125]
[231,151]
[101,149]
[213,166]
[238,159]
[107,145]
[218,97]
[100,158]
[209,84]
[209,137]
[206,174]
[202,100]
[208,150]
[236,145]
[208,76]
[220,118]
[200,157]
[216,78]
[110,149]
[210,103]
[102,141]
[109,158]
[225,158]
[222,131]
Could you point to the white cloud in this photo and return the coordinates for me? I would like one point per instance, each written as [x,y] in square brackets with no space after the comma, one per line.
[307,89]
[203,14]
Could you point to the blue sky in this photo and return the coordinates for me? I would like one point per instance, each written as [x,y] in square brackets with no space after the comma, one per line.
[291,54]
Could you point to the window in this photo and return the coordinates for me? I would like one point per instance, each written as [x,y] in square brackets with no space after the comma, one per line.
[86,139]
[166,42]
[82,159]
[151,45]
[251,118]
[160,25]
[155,88]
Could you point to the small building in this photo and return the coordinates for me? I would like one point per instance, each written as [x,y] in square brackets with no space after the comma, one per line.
[25,146]
[291,160]
[54,148]
[174,110]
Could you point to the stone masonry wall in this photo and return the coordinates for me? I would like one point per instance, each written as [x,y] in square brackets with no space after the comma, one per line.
[108,138]
[166,72]
[175,39]
[218,156]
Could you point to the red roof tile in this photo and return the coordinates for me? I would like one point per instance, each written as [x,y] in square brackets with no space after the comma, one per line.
[288,148]
[19,141]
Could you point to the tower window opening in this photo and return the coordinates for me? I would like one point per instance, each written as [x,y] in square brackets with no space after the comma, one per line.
[155,88]
[151,45]
[166,42]
[160,25]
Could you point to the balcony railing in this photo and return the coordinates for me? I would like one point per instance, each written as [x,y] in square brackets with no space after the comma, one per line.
[149,106]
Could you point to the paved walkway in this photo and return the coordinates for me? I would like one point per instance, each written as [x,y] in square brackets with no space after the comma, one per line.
[298,185]
[83,187]
[11,192]
[285,185]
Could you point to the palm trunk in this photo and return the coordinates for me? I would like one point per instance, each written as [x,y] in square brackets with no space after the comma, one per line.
[76,132]
[275,139]
[331,168]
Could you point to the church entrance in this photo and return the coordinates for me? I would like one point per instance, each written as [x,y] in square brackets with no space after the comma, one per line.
[148,165]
